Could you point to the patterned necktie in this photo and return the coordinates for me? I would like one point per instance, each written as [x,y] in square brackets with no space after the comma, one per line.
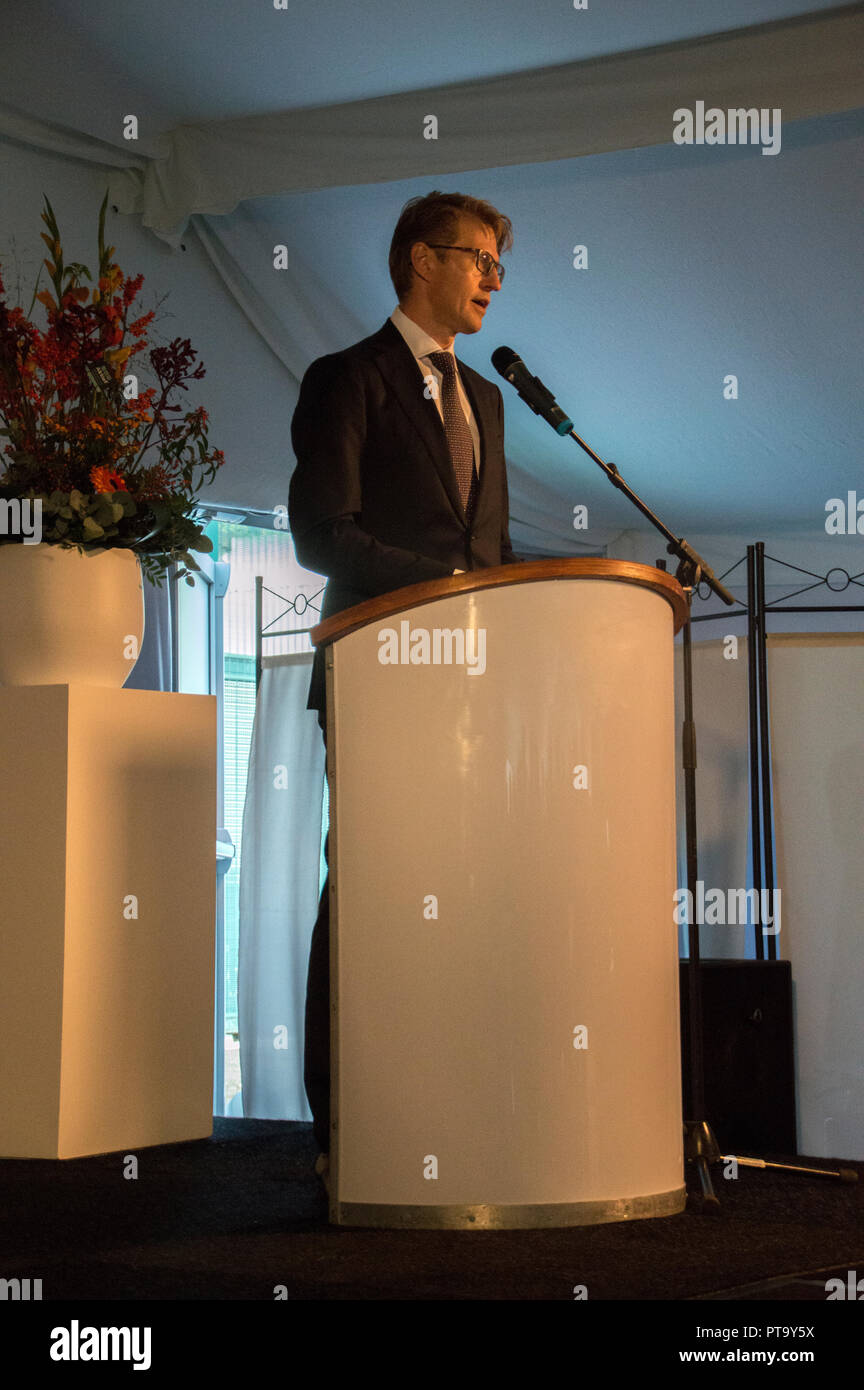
[456,427]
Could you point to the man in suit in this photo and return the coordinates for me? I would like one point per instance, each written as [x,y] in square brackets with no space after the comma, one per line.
[400,473]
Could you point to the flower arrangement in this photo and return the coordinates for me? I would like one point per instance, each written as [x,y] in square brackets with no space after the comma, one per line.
[109,468]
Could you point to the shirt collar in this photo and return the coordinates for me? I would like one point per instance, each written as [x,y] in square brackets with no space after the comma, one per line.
[419,341]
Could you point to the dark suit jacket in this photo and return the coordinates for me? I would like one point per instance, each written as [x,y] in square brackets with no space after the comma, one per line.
[374,502]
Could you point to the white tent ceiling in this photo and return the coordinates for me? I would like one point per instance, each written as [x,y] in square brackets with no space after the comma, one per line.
[194,60]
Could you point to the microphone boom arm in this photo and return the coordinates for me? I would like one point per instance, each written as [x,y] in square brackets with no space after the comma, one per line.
[691,567]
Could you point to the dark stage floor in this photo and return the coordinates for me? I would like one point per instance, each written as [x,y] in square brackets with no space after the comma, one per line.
[232,1217]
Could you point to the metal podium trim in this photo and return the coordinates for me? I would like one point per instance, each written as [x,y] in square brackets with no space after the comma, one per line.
[533,1216]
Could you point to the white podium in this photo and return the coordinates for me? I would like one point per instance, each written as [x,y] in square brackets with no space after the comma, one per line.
[107,903]
[505,1035]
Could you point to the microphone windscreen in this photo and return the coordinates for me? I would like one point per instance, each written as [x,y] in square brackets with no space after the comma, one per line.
[502,358]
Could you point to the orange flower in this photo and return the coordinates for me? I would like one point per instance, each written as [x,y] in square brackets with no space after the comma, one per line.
[106,480]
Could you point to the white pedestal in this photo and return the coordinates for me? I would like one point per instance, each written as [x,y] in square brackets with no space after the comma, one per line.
[107,906]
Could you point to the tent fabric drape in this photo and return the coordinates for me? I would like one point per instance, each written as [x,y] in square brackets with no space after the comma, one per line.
[64,140]
[279,872]
[808,66]
[295,313]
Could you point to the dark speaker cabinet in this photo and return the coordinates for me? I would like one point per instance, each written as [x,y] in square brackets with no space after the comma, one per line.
[748,1050]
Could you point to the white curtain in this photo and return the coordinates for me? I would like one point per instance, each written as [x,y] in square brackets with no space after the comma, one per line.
[816,688]
[278,889]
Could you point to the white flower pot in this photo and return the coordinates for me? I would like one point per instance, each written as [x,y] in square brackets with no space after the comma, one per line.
[68,617]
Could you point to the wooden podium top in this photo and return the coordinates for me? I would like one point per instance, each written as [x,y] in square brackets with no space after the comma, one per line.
[526,572]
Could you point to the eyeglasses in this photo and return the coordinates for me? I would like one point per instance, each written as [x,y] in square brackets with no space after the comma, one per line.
[484,261]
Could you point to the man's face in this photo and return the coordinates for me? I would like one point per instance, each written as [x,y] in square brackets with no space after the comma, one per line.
[458,292]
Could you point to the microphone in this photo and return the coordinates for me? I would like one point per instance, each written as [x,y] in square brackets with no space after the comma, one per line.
[531,389]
